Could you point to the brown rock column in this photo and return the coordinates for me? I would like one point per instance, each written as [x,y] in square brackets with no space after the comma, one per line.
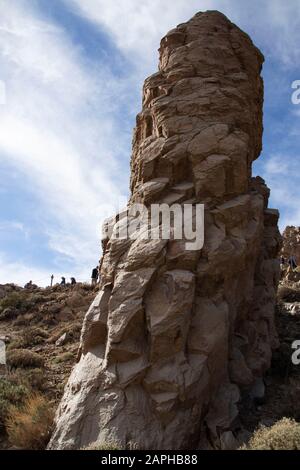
[174,335]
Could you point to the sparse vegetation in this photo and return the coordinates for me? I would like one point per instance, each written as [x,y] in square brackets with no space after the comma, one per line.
[32,336]
[65,357]
[29,427]
[31,323]
[284,435]
[33,379]
[24,358]
[10,394]
[73,332]
[17,300]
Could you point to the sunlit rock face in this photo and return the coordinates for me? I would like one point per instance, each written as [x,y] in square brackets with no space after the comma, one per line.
[175,335]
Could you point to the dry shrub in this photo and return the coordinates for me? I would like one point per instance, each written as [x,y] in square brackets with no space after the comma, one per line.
[10,394]
[283,435]
[32,336]
[73,331]
[33,379]
[65,357]
[30,427]
[24,358]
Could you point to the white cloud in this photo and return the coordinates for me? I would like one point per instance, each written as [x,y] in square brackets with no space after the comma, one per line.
[19,273]
[137,26]
[59,128]
[277,165]
[282,175]
[62,124]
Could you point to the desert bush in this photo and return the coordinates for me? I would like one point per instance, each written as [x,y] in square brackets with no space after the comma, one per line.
[8,314]
[73,330]
[32,379]
[10,394]
[23,358]
[30,337]
[30,426]
[65,357]
[283,435]
[18,300]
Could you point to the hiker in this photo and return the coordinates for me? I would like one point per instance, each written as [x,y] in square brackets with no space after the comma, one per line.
[73,281]
[52,277]
[63,281]
[29,285]
[282,261]
[95,274]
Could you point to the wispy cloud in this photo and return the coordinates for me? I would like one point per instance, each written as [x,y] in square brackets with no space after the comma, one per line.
[66,125]
[137,26]
[59,128]
[16,272]
[282,175]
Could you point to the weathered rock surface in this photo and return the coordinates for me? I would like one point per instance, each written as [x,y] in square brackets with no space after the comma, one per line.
[291,243]
[173,335]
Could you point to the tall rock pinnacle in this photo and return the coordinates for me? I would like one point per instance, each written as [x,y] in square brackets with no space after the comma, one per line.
[175,335]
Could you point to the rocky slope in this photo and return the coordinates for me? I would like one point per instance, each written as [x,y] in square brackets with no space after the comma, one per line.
[47,323]
[175,336]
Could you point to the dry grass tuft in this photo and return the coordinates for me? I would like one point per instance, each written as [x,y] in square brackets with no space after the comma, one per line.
[283,435]
[24,358]
[30,427]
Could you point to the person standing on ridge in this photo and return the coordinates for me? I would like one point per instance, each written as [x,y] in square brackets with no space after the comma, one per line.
[63,281]
[95,274]
[52,277]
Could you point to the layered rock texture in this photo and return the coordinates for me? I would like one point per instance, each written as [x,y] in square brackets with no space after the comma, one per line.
[174,336]
[291,243]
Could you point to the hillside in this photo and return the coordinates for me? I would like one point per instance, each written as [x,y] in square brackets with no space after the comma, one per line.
[41,329]
[47,322]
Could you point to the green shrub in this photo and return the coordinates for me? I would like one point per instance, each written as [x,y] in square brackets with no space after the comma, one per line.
[10,394]
[283,435]
[23,358]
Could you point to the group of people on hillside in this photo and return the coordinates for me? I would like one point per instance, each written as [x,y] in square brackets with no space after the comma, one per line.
[63,281]
[94,279]
[291,262]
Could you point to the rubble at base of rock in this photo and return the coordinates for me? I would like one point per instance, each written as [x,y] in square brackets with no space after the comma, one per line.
[174,336]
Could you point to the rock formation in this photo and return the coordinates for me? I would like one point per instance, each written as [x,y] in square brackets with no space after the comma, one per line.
[291,243]
[174,336]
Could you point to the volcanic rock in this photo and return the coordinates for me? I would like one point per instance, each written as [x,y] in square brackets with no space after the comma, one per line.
[174,335]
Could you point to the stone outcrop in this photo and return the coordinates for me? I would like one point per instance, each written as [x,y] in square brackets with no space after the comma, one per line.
[174,336]
[291,243]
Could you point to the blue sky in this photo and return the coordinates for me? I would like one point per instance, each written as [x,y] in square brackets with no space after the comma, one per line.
[73,72]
